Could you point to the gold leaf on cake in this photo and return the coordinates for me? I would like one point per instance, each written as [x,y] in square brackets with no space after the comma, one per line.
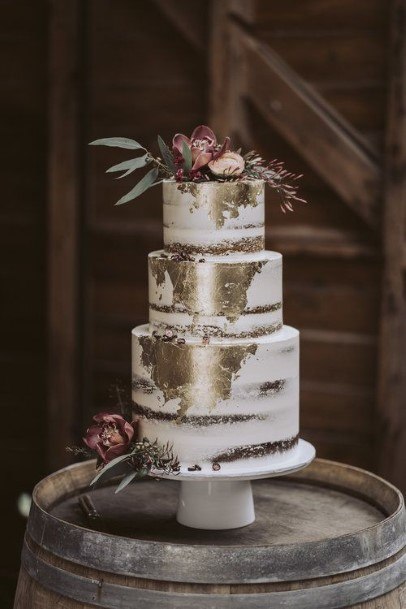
[222,200]
[225,199]
[207,288]
[193,373]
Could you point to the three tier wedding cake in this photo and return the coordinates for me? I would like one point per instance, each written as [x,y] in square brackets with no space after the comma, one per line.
[216,373]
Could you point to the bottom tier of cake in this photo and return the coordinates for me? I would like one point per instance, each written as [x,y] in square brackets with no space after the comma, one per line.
[221,403]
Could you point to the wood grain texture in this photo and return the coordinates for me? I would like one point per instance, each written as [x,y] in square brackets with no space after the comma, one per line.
[186,20]
[63,225]
[349,523]
[339,48]
[227,74]
[318,15]
[330,145]
[391,422]
[23,105]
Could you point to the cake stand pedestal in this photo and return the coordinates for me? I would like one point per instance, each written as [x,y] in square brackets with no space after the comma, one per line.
[218,500]
[215,504]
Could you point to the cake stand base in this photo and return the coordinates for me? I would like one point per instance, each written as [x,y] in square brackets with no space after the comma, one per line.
[218,500]
[215,504]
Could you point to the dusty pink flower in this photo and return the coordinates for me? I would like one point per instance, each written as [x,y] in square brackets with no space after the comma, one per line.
[227,164]
[110,436]
[203,146]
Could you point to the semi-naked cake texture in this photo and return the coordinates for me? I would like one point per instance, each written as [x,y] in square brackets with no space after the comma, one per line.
[215,373]
[214,217]
[240,297]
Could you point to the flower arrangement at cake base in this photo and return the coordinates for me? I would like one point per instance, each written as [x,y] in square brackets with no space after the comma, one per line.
[112,440]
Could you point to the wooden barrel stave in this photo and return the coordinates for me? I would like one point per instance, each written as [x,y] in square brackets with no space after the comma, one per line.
[53,567]
[102,590]
[33,596]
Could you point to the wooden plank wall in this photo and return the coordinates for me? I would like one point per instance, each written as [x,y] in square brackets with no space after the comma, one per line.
[391,419]
[65,102]
[23,106]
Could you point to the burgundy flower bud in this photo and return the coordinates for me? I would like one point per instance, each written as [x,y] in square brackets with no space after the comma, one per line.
[110,436]
[179,175]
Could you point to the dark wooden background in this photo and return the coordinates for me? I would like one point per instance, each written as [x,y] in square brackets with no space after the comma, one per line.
[74,278]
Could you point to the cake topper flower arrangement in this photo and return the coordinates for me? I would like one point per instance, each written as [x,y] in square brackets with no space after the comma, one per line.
[201,158]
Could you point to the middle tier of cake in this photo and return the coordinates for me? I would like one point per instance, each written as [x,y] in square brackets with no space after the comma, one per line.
[215,296]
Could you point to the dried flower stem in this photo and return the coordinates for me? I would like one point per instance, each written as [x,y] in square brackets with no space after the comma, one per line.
[276,176]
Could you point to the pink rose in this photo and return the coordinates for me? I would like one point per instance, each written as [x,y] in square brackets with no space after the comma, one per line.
[228,164]
[202,144]
[110,436]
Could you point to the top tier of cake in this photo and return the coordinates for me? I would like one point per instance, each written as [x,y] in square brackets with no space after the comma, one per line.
[218,218]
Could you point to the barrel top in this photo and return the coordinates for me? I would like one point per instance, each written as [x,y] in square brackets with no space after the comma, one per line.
[327,519]
[286,512]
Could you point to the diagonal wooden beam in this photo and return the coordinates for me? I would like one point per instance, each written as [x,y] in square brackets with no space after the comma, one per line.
[328,143]
[184,17]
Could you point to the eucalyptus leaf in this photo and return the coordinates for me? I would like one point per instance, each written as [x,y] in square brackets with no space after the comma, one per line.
[125,481]
[129,166]
[118,142]
[166,155]
[156,183]
[141,187]
[187,156]
[109,466]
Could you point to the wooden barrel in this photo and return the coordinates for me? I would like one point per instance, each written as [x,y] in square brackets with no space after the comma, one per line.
[330,536]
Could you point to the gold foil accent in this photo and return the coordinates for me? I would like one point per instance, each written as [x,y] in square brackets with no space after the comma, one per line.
[208,289]
[195,373]
[224,199]
[158,267]
[188,187]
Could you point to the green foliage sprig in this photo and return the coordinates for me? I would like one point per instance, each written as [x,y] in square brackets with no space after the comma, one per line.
[143,458]
[161,168]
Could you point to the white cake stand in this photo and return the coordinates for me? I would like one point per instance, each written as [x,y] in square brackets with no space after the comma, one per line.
[215,500]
